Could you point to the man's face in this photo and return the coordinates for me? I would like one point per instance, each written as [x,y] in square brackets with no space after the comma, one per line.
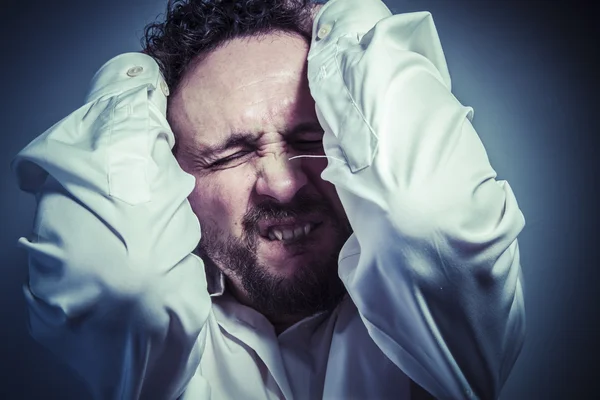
[271,224]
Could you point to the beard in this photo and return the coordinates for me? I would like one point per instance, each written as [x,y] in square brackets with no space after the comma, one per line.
[311,288]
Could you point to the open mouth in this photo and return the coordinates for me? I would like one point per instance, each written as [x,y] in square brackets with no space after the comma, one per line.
[288,231]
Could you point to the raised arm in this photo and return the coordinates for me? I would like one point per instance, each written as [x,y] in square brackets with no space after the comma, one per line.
[433,266]
[113,287]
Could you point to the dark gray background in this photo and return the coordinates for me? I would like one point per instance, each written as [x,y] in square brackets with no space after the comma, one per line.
[527,67]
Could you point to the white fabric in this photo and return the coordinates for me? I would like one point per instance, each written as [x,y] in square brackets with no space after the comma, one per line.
[432,270]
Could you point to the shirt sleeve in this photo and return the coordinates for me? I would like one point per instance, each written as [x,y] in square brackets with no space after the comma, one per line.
[114,289]
[433,264]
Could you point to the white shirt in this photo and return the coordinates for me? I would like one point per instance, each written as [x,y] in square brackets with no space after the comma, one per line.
[432,269]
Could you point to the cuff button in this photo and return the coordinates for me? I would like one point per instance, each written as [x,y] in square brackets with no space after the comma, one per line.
[323,31]
[164,88]
[134,71]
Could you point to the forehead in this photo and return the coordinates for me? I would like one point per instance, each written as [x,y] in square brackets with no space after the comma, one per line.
[249,84]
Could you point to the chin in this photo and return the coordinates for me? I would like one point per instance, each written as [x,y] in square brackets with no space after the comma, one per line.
[290,269]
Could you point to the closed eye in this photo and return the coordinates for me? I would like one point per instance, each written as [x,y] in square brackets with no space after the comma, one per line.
[228,161]
[308,145]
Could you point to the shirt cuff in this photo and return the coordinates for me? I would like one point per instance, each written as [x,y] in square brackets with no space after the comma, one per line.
[341,17]
[128,71]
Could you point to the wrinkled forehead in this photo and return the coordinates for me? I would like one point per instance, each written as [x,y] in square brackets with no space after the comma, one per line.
[246,58]
[249,83]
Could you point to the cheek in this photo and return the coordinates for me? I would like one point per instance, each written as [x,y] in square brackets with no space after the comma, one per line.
[221,200]
[313,168]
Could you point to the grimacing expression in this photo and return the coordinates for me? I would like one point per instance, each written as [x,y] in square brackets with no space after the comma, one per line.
[271,224]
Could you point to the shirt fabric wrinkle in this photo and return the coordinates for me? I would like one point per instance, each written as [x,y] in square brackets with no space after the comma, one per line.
[114,235]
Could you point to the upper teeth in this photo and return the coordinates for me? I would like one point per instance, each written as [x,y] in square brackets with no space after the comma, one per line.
[289,233]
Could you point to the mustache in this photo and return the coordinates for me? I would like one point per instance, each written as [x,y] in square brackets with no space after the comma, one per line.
[301,205]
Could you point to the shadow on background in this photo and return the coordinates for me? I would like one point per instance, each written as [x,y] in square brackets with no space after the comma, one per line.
[527,67]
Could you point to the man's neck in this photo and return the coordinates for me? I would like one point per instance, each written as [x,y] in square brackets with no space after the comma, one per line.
[280,322]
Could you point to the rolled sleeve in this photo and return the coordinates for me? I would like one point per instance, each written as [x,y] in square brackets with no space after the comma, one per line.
[114,289]
[433,265]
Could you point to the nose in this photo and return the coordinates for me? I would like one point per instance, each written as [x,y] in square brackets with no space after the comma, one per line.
[280,178]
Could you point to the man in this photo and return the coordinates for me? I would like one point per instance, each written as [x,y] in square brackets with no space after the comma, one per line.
[289,215]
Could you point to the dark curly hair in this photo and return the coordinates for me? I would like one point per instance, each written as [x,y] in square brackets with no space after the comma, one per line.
[192,28]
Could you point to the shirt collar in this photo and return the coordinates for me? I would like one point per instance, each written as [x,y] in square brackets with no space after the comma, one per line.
[215,279]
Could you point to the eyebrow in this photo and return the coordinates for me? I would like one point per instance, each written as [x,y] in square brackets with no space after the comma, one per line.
[234,140]
[238,139]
